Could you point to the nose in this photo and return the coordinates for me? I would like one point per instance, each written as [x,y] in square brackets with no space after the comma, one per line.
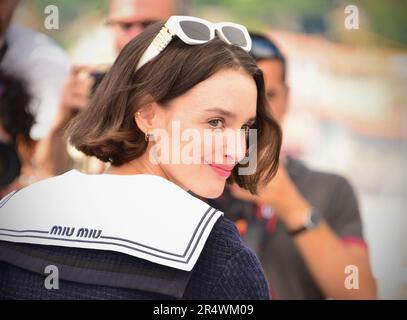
[234,146]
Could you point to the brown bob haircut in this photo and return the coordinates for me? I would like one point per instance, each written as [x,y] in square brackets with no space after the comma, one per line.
[108,131]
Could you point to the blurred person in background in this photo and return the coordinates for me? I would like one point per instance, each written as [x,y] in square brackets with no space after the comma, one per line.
[305,224]
[130,17]
[16,145]
[127,18]
[37,60]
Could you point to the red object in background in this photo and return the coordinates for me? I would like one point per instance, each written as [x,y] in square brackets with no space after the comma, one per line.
[271,223]
[241,226]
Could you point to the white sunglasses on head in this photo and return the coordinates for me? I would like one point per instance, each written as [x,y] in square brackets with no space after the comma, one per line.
[194,31]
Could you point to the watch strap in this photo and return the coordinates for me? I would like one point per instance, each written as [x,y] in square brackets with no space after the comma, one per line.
[313,219]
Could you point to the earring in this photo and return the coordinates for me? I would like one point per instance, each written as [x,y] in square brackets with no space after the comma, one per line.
[148,137]
[138,113]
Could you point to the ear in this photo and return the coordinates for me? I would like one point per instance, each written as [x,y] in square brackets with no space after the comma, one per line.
[144,117]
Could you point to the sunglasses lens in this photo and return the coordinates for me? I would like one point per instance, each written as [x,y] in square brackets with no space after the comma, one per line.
[196,30]
[235,36]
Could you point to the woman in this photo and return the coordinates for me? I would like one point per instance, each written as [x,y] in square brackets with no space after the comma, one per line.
[180,80]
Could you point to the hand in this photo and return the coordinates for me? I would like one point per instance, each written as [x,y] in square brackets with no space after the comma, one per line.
[76,94]
[282,195]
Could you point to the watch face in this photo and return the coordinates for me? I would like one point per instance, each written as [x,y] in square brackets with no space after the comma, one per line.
[313,219]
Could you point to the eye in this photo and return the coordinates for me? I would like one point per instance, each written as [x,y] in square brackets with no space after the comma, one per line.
[126,26]
[147,23]
[216,123]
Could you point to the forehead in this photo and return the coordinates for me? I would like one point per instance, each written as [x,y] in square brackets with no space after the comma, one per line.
[138,10]
[229,89]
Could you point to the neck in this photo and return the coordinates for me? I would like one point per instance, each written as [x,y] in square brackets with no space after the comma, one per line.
[141,165]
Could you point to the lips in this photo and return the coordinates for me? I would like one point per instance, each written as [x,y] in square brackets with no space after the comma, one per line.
[221,169]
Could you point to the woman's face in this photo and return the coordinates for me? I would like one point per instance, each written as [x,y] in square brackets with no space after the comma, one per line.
[207,128]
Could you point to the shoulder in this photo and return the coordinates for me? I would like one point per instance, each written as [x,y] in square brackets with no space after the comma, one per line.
[21,36]
[227,268]
[329,181]
[224,242]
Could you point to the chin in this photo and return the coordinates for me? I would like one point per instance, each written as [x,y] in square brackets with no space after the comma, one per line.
[209,193]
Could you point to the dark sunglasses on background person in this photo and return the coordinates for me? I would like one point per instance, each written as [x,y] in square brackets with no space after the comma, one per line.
[195,31]
[263,48]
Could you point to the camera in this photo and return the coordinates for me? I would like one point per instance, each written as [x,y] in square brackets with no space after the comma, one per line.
[97,79]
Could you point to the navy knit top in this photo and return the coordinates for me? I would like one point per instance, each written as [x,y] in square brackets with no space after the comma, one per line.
[226,269]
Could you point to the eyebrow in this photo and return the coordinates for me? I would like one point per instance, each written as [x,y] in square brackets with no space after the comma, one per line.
[227,114]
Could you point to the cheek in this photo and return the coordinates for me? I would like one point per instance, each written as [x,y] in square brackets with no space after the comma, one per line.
[213,148]
[275,105]
[194,175]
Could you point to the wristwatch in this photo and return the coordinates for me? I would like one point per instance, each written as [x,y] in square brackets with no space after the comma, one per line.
[313,219]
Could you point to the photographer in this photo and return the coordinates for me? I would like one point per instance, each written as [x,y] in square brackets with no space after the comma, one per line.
[126,19]
[16,146]
[305,224]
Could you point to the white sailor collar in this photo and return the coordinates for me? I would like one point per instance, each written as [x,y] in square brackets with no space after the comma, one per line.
[145,216]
